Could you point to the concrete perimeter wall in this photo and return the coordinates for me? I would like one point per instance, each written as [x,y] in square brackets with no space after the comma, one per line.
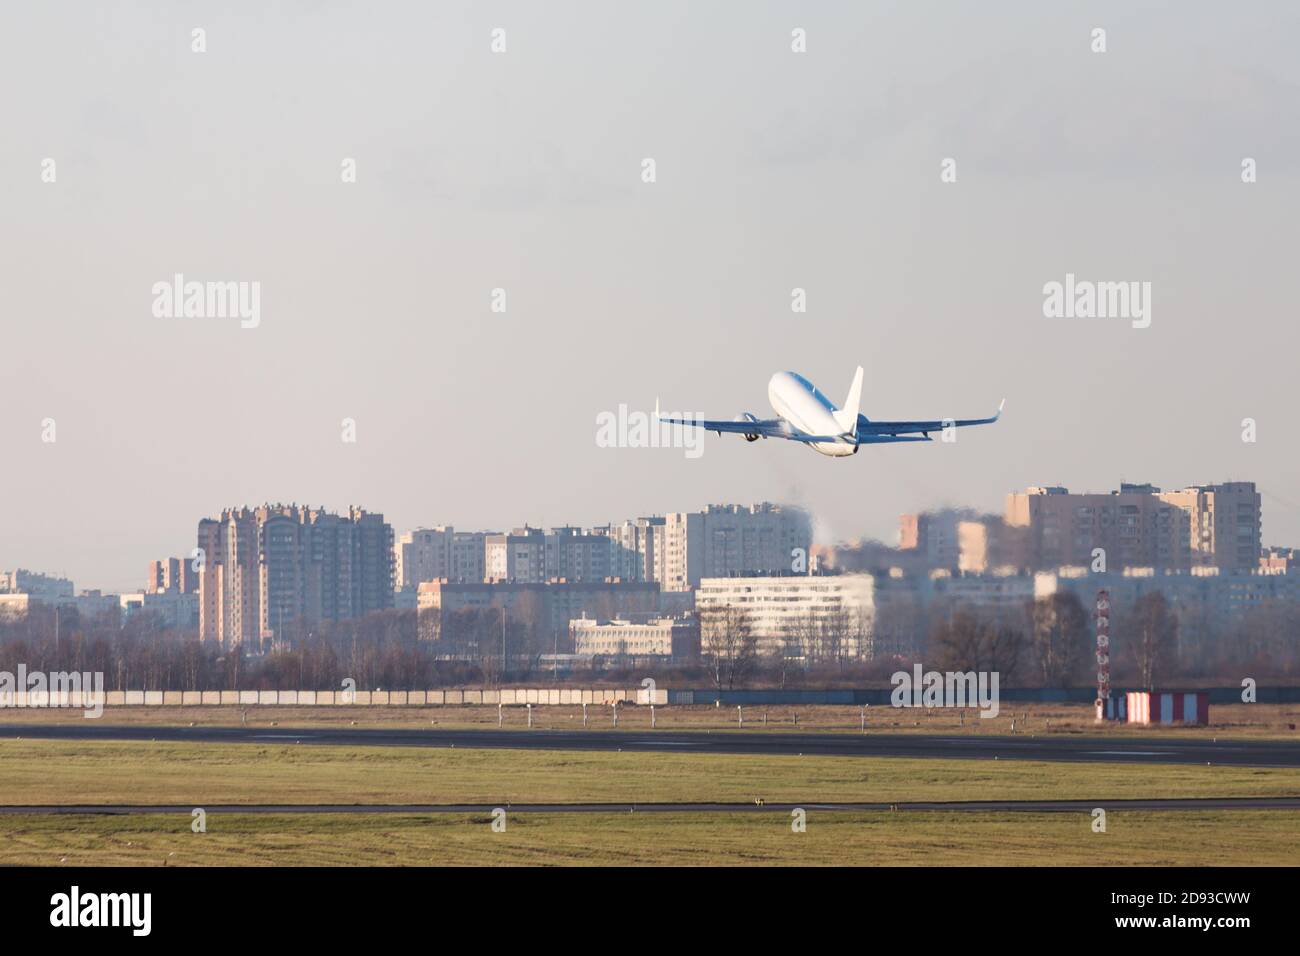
[506,696]
[567,696]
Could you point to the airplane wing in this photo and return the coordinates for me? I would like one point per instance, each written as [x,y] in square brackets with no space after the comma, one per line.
[766,427]
[869,431]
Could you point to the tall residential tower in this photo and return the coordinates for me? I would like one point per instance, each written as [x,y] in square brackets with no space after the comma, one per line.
[265,568]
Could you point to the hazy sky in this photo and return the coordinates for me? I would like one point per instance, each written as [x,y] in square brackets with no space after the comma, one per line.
[522,170]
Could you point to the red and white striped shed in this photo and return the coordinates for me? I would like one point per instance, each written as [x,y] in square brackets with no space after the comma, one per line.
[1168,707]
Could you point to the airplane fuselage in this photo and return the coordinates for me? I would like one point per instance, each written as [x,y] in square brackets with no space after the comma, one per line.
[803,405]
[805,415]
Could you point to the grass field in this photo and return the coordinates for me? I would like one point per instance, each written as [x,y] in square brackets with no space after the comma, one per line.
[1135,838]
[1229,720]
[195,775]
[59,771]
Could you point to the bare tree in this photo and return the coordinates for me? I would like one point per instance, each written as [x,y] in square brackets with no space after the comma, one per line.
[1003,649]
[429,624]
[1154,635]
[966,643]
[1059,636]
[789,653]
[806,637]
[729,644]
[956,642]
[837,630]
[863,634]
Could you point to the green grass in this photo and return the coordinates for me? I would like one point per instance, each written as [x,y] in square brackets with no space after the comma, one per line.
[1270,721]
[202,775]
[1252,838]
[57,771]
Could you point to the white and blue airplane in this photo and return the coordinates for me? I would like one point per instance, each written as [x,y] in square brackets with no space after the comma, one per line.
[805,415]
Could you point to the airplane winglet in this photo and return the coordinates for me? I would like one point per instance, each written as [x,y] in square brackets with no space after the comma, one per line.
[656,408]
[1001,405]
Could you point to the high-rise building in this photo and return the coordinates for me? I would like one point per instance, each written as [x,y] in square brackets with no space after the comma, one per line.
[265,568]
[1131,527]
[934,535]
[519,556]
[421,555]
[637,549]
[1140,526]
[673,551]
[726,540]
[431,554]
[172,576]
[469,556]
[533,556]
[575,555]
[1222,524]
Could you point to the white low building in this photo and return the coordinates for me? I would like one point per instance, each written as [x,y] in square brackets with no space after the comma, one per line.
[800,616]
[664,637]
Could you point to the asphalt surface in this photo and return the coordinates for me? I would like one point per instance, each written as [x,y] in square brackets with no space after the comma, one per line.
[969,806]
[1151,750]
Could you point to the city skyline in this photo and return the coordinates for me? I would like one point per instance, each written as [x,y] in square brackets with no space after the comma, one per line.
[504,532]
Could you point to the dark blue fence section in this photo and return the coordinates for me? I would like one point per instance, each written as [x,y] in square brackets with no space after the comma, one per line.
[876,696]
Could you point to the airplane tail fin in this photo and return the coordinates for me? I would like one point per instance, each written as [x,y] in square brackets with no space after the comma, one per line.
[847,417]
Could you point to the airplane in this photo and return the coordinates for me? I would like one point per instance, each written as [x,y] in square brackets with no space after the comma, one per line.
[805,415]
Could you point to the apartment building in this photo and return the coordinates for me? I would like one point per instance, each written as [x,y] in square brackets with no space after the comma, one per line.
[727,540]
[468,556]
[637,549]
[265,568]
[428,554]
[172,576]
[1222,524]
[936,536]
[518,556]
[1141,526]
[797,615]
[533,556]
[577,555]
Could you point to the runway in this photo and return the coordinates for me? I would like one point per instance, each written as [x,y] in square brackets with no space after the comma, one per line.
[972,806]
[1147,750]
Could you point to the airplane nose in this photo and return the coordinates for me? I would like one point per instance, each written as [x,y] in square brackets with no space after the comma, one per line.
[773,387]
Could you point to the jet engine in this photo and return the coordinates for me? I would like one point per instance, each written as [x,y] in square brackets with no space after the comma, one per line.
[747,417]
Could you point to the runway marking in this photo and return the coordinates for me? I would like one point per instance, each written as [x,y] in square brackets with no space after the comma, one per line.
[1132,753]
[671,743]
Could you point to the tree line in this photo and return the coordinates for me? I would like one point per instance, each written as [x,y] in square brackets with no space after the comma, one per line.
[1048,642]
